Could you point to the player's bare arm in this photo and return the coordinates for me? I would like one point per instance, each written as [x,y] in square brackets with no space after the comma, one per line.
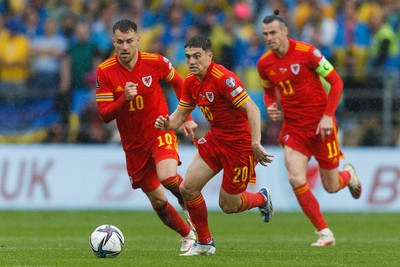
[325,125]
[253,115]
[173,121]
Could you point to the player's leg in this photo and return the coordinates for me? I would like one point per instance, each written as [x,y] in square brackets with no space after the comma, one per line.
[150,185]
[166,161]
[234,203]
[233,198]
[327,153]
[198,174]
[168,176]
[354,184]
[333,180]
[296,164]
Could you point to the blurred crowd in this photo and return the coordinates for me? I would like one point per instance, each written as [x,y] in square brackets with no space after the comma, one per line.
[50,51]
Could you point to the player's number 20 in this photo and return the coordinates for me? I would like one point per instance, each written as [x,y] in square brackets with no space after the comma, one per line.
[207,113]
[241,174]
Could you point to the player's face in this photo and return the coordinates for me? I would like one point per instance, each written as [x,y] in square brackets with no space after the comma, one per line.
[126,45]
[274,34]
[198,60]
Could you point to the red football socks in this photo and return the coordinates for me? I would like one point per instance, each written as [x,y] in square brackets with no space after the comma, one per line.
[251,200]
[198,214]
[310,206]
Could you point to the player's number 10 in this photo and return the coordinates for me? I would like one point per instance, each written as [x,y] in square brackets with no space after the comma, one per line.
[136,103]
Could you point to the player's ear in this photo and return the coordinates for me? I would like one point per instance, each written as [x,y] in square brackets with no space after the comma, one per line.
[210,55]
[285,31]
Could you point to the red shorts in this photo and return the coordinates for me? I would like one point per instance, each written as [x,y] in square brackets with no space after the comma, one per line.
[141,165]
[326,152]
[237,161]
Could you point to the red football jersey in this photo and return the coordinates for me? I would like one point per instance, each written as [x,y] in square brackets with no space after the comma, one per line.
[219,97]
[297,77]
[136,119]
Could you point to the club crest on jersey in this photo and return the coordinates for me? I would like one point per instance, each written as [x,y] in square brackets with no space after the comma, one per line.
[230,82]
[147,80]
[295,68]
[210,96]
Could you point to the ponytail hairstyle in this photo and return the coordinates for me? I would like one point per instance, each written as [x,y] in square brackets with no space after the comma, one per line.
[275,17]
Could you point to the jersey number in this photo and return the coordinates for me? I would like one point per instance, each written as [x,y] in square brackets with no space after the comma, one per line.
[166,139]
[333,149]
[207,113]
[286,87]
[242,174]
[136,103]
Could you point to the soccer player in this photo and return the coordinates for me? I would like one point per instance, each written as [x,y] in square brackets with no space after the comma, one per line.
[128,90]
[233,143]
[295,69]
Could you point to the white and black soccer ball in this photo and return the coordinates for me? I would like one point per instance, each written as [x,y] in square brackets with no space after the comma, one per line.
[107,241]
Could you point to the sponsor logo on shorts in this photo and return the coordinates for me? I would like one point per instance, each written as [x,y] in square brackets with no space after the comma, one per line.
[285,137]
[201,140]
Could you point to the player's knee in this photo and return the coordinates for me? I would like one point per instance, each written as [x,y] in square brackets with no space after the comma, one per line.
[330,189]
[228,207]
[187,192]
[158,203]
[295,181]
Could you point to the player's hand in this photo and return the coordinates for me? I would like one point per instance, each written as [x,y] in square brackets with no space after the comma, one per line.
[274,113]
[130,90]
[189,128]
[325,126]
[162,123]
[261,155]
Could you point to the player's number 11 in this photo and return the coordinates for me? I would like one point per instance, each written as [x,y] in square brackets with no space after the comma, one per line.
[286,87]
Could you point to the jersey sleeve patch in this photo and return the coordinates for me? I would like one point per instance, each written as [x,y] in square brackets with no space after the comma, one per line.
[237,91]
[324,68]
[104,97]
[97,83]
[241,99]
[186,105]
[230,82]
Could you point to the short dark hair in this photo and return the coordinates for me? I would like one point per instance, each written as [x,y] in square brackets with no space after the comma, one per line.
[271,18]
[199,41]
[125,25]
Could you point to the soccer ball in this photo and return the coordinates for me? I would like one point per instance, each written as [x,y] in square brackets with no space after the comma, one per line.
[107,241]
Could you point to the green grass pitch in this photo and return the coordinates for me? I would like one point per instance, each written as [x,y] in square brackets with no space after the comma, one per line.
[61,238]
